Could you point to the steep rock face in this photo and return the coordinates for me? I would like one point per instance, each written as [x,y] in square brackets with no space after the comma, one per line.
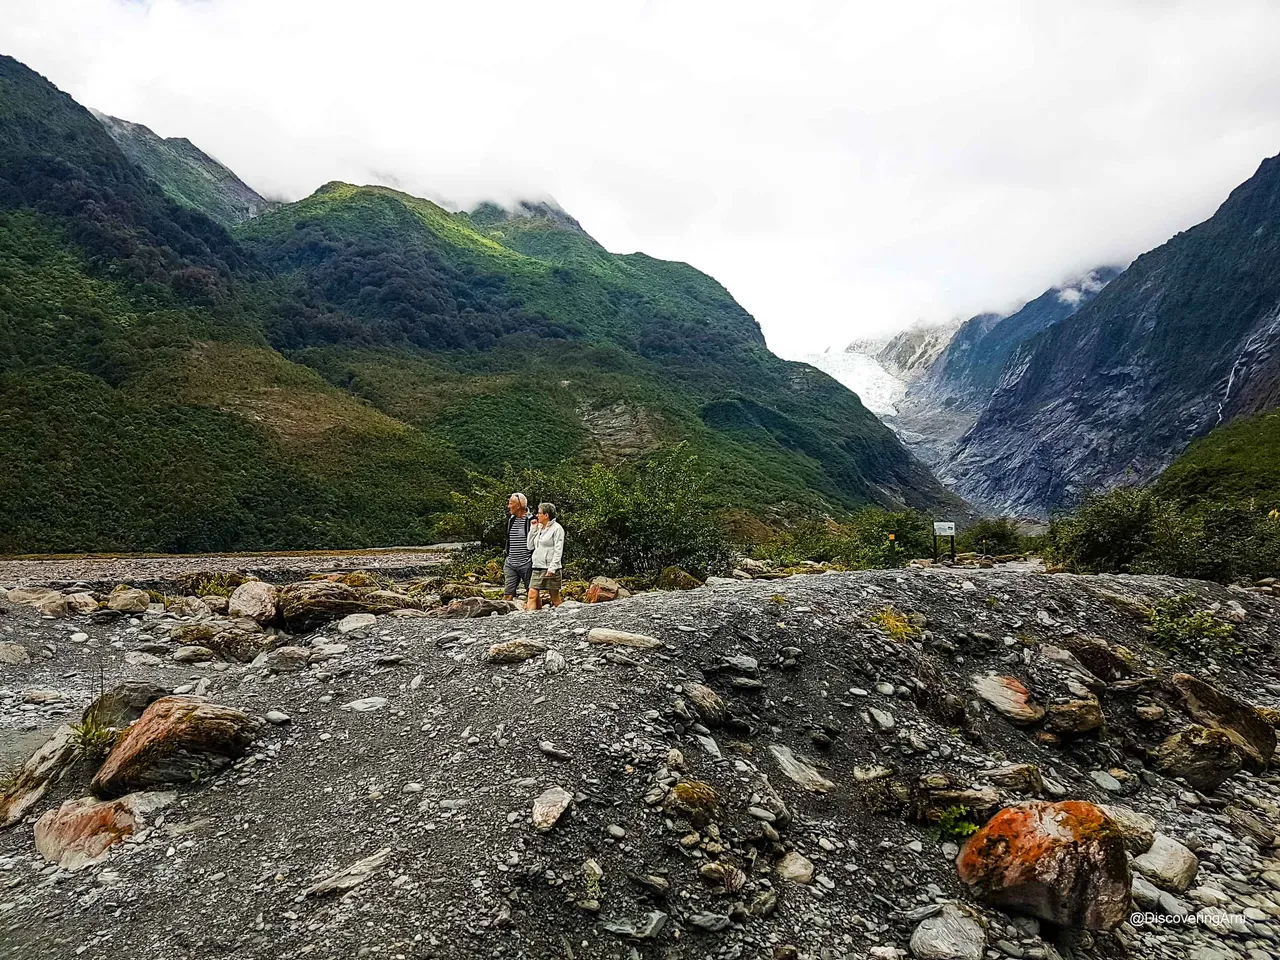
[186,173]
[1182,341]
[947,396]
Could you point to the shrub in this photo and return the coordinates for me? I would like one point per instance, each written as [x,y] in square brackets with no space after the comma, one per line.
[955,824]
[637,519]
[1138,531]
[859,543]
[895,623]
[993,536]
[1175,625]
[92,739]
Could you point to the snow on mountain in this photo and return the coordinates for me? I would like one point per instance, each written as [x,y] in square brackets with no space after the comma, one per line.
[862,373]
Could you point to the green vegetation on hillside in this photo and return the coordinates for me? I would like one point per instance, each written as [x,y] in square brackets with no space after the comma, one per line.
[328,373]
[1239,460]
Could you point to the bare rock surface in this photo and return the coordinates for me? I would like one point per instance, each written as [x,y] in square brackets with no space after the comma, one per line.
[767,774]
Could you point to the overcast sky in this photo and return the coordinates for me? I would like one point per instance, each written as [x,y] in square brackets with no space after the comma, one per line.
[843,168]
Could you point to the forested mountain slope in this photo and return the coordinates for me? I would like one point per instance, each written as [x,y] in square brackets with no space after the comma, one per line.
[327,373]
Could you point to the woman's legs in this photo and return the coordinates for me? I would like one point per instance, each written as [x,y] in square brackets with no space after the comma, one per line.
[555,597]
[535,600]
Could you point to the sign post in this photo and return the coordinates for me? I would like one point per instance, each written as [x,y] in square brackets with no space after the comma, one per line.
[944,529]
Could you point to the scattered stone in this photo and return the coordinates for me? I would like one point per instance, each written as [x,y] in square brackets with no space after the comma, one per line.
[193,654]
[1168,863]
[800,770]
[471,607]
[709,704]
[350,877]
[44,767]
[1074,717]
[287,659]
[356,621]
[13,654]
[278,718]
[645,928]
[1210,707]
[122,704]
[605,636]
[1138,829]
[365,704]
[514,651]
[125,599]
[1202,756]
[795,866]
[549,806]
[1062,862]
[950,934]
[80,832]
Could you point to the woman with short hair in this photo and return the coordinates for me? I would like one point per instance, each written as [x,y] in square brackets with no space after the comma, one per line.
[546,541]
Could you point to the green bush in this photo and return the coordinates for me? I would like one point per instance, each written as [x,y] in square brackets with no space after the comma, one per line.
[993,536]
[636,519]
[1175,625]
[859,543]
[1139,531]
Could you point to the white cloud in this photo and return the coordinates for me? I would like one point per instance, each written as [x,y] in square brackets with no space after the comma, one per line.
[843,168]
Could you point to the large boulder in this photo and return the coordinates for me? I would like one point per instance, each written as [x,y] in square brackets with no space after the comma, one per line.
[122,704]
[177,740]
[128,599]
[1204,757]
[1211,707]
[310,604]
[80,832]
[81,603]
[1062,862]
[255,600]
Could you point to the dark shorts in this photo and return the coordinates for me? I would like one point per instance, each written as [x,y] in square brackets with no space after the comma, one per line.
[513,577]
[545,581]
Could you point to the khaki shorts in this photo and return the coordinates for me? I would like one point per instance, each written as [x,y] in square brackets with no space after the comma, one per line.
[545,581]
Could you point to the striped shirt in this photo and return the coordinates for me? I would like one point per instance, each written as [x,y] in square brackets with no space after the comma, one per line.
[518,552]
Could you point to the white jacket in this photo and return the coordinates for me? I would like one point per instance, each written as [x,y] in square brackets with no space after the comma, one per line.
[547,544]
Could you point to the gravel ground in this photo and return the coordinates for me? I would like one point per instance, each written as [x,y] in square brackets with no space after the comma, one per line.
[152,570]
[442,776]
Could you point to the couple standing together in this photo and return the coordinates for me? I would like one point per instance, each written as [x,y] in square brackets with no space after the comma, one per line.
[534,552]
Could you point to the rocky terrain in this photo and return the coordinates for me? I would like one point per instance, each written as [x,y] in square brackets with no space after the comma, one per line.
[934,763]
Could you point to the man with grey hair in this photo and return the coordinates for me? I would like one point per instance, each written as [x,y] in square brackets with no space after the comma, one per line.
[517,557]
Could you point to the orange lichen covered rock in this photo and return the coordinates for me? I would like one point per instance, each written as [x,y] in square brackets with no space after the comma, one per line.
[176,740]
[1063,862]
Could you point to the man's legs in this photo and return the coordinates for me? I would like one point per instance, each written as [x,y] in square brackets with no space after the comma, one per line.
[510,580]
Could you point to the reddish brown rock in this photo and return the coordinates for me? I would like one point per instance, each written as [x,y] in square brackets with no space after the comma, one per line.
[1009,696]
[80,832]
[177,740]
[603,589]
[1062,862]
